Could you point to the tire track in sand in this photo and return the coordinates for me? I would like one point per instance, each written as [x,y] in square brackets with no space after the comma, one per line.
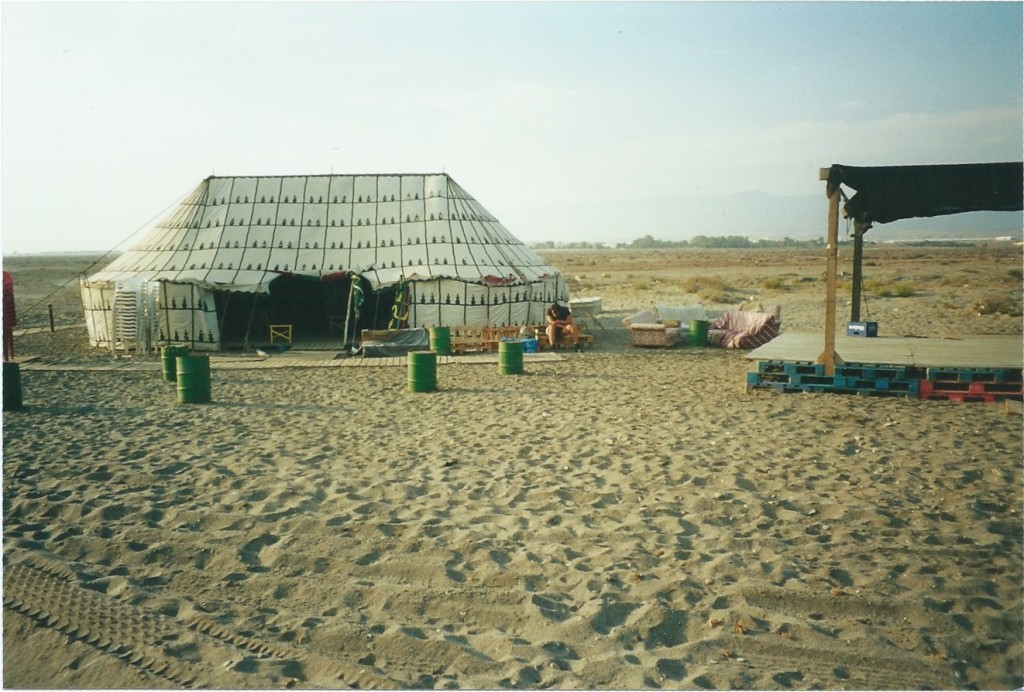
[197,653]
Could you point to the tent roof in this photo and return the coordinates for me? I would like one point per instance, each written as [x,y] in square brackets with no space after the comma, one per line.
[888,193]
[240,233]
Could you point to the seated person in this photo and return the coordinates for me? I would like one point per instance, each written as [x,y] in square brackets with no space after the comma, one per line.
[559,320]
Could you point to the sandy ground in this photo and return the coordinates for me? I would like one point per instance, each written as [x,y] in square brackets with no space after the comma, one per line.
[623,518]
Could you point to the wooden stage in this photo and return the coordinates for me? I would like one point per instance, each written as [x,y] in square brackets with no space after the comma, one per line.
[994,351]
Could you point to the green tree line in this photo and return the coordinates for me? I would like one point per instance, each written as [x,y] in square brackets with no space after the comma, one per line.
[699,241]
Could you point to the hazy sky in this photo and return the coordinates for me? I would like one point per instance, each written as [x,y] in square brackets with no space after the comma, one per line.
[112,111]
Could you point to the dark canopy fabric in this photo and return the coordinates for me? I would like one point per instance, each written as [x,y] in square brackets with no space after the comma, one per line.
[888,193]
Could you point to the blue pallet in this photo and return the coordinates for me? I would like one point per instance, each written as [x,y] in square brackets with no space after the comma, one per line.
[908,386]
[877,372]
[795,380]
[883,392]
[858,370]
[838,384]
[837,381]
[783,387]
[788,368]
[824,389]
[974,375]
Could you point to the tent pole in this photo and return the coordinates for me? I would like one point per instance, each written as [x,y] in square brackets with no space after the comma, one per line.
[858,255]
[113,324]
[223,318]
[348,312]
[246,344]
[828,356]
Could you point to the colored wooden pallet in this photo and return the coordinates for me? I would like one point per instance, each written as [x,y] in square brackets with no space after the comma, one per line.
[774,367]
[962,397]
[795,380]
[909,387]
[838,384]
[855,370]
[878,372]
[979,369]
[971,391]
[974,375]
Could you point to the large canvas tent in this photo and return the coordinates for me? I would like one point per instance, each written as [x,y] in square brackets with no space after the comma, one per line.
[319,253]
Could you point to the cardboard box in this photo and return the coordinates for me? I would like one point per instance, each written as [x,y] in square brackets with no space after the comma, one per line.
[862,329]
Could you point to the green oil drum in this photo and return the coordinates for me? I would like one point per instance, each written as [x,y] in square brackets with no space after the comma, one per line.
[510,357]
[441,340]
[193,375]
[168,359]
[699,333]
[422,367]
[12,386]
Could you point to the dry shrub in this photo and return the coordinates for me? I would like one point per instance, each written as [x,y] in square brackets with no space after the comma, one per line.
[881,289]
[997,305]
[904,289]
[774,283]
[711,289]
[955,279]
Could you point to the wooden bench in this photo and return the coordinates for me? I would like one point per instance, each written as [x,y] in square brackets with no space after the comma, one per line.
[376,334]
[494,335]
[468,338]
[479,339]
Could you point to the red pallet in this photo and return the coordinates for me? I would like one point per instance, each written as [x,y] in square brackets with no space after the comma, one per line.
[969,391]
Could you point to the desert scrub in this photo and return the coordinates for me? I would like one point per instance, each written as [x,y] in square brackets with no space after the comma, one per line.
[775,283]
[997,305]
[955,279]
[881,289]
[711,289]
[904,289]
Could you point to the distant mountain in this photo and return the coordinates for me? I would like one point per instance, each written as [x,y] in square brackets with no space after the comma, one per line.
[977,224]
[750,214]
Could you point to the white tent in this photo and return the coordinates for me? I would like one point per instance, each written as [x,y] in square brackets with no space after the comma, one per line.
[241,253]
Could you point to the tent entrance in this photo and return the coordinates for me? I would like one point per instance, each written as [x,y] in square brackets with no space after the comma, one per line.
[315,309]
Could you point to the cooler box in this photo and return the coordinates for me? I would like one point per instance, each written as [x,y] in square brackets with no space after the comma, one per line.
[862,329]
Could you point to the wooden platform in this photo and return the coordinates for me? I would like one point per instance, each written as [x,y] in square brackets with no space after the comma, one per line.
[995,351]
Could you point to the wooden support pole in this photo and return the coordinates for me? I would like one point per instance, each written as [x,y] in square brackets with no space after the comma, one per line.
[828,357]
[858,256]
[348,315]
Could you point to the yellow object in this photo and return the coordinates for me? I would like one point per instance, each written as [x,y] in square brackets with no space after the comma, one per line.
[281,332]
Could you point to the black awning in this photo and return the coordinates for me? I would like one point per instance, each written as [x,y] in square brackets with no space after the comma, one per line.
[889,193]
